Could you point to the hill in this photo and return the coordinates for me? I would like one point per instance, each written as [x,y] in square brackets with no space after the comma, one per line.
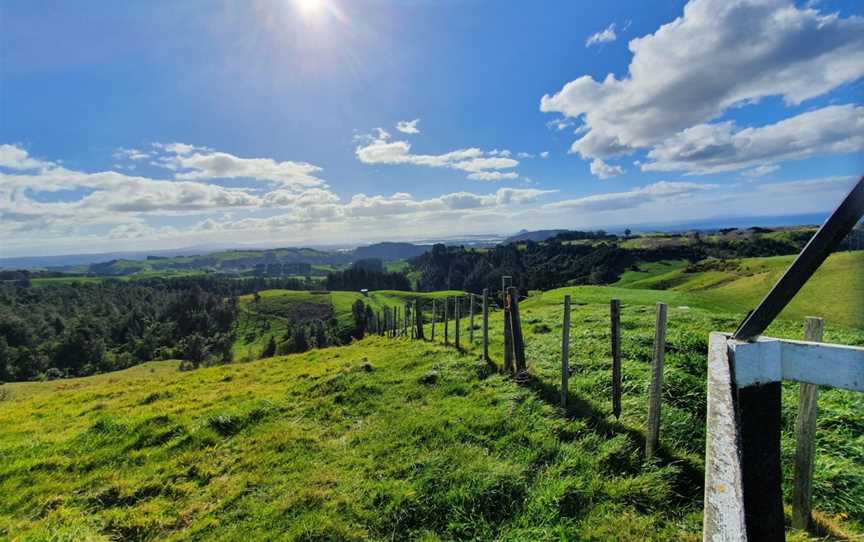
[538,235]
[737,285]
[274,312]
[396,439]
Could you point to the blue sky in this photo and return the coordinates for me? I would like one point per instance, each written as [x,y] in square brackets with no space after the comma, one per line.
[130,125]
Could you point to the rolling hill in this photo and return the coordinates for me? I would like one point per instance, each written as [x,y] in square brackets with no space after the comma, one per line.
[397,439]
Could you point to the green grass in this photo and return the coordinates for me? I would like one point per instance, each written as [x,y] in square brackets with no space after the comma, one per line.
[736,286]
[401,440]
[277,309]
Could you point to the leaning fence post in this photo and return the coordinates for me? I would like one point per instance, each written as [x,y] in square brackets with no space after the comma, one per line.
[518,343]
[653,436]
[446,321]
[565,352]
[486,324]
[434,317]
[456,315]
[805,434]
[615,314]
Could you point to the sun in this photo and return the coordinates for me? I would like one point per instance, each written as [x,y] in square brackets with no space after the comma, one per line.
[309,8]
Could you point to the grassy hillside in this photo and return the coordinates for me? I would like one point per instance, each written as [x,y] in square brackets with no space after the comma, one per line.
[275,310]
[399,440]
[834,292]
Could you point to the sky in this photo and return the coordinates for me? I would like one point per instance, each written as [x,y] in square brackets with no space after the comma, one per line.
[130,125]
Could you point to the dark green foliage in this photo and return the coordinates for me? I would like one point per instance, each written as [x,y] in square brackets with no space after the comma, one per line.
[270,349]
[80,329]
[358,278]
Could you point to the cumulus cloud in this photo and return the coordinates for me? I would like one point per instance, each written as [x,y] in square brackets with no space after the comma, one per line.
[408,126]
[382,150]
[492,176]
[660,191]
[130,154]
[544,155]
[125,206]
[738,52]
[602,170]
[604,36]
[14,157]
[196,163]
[711,148]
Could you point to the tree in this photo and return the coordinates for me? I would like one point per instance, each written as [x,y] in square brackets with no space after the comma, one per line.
[627,232]
[5,360]
[82,346]
[270,349]
[194,349]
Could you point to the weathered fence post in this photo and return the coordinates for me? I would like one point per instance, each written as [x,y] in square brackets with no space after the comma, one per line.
[418,315]
[434,317]
[446,321]
[518,342]
[805,435]
[652,439]
[471,319]
[565,352]
[405,319]
[486,324]
[615,315]
[456,315]
[508,335]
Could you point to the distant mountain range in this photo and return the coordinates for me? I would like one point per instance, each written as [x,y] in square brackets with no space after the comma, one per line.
[228,257]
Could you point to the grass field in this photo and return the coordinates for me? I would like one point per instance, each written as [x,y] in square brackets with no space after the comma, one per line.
[736,286]
[401,440]
[276,309]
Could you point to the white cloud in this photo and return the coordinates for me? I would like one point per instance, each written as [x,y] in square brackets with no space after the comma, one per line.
[660,191]
[711,148]
[604,36]
[544,155]
[492,176]
[408,126]
[381,150]
[130,154]
[125,207]
[824,185]
[602,170]
[761,171]
[197,163]
[14,157]
[717,55]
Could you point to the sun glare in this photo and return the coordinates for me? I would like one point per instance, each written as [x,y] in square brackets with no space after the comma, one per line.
[309,8]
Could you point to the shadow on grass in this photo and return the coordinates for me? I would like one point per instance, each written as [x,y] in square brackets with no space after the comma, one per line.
[688,485]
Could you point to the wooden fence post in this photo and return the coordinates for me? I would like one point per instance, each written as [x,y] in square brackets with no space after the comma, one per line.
[805,435]
[471,319]
[508,335]
[518,342]
[418,319]
[434,317]
[485,324]
[565,352]
[456,316]
[615,315]
[652,439]
[446,321]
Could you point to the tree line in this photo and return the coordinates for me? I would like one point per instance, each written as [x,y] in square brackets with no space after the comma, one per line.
[64,330]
